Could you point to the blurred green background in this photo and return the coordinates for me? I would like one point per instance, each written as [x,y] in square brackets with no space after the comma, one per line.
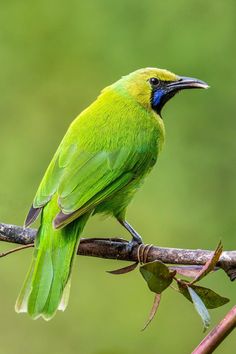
[55,57]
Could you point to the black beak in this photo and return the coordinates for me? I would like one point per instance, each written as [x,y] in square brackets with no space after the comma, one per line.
[186,83]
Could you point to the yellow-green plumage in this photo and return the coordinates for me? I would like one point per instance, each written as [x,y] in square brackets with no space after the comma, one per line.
[100,163]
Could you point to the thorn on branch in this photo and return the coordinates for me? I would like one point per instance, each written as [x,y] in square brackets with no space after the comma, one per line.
[13,250]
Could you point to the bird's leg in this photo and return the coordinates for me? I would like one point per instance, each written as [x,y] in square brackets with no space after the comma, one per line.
[136,238]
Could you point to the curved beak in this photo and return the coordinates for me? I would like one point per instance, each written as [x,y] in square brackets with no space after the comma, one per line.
[186,83]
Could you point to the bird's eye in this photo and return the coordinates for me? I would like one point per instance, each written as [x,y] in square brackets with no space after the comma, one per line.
[154,81]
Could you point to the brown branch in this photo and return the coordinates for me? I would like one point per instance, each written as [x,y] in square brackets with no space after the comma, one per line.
[218,334]
[14,250]
[115,248]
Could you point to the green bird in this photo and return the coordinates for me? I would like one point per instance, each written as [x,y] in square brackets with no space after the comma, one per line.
[99,165]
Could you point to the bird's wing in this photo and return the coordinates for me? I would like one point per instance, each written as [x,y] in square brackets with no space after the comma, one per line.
[84,179]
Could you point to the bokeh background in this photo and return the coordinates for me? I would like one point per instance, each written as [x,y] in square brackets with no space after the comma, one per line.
[55,57]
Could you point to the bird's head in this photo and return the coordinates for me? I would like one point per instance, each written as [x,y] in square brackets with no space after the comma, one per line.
[152,87]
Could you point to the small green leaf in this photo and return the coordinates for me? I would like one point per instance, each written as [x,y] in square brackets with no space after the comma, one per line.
[210,298]
[157,275]
[200,307]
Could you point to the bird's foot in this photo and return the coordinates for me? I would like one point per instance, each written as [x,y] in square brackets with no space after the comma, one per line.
[136,242]
[141,249]
[136,238]
[131,245]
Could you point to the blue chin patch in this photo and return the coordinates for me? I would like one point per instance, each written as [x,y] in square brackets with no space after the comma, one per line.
[157,96]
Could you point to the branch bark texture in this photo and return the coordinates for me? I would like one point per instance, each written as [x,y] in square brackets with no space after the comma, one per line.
[115,248]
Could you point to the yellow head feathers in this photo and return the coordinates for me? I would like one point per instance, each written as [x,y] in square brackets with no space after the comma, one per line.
[137,83]
[152,87]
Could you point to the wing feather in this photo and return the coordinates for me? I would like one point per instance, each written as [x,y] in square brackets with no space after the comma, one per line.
[84,179]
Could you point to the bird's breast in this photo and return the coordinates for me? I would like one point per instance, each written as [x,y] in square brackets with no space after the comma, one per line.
[112,122]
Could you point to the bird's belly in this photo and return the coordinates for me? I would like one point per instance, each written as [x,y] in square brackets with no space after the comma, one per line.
[116,204]
[147,145]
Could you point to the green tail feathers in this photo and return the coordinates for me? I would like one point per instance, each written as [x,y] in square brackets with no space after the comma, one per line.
[47,285]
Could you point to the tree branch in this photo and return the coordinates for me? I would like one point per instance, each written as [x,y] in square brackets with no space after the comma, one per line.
[115,248]
[218,334]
